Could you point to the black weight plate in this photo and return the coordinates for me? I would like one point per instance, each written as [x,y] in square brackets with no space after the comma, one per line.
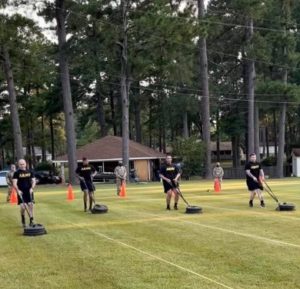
[193,210]
[99,209]
[285,207]
[35,230]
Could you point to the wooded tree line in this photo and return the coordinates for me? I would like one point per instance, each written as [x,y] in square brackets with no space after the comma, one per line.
[152,71]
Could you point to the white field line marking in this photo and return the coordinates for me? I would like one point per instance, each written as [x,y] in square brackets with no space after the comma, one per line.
[200,198]
[252,236]
[277,242]
[152,256]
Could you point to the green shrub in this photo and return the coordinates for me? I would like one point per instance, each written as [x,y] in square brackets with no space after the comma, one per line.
[270,161]
[190,152]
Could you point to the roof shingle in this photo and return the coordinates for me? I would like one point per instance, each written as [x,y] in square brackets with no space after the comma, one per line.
[110,148]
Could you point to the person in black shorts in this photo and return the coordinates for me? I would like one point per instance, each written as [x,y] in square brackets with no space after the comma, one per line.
[170,174]
[254,175]
[24,183]
[85,173]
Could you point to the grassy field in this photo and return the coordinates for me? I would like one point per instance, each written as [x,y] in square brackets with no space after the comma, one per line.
[138,244]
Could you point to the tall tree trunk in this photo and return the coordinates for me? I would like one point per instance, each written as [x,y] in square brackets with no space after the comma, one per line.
[52,137]
[281,133]
[33,154]
[267,142]
[17,134]
[100,109]
[218,135]
[235,142]
[275,133]
[137,114]
[281,141]
[150,122]
[113,111]
[125,86]
[205,109]
[66,89]
[185,132]
[28,147]
[283,111]
[263,135]
[250,91]
[43,144]
[256,132]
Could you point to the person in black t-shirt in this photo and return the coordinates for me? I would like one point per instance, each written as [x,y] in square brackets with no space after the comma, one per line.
[170,174]
[85,173]
[24,183]
[254,175]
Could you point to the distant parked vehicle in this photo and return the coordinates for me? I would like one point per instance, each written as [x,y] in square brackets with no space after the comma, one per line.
[46,177]
[3,178]
[104,177]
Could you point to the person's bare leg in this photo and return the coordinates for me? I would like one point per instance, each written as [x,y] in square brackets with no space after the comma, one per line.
[259,195]
[252,195]
[85,193]
[176,195]
[30,209]
[22,211]
[168,199]
[91,200]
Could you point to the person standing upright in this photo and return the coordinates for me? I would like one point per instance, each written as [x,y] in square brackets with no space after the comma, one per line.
[218,173]
[254,174]
[85,174]
[170,174]
[24,183]
[121,175]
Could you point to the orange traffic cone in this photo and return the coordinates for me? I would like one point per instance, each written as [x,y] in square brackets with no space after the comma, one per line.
[13,196]
[123,190]
[70,195]
[217,185]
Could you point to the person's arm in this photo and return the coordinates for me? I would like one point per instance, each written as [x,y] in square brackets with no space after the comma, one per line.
[117,173]
[177,177]
[78,174]
[15,185]
[164,178]
[161,175]
[94,172]
[214,173]
[33,183]
[261,174]
[222,172]
[8,179]
[125,174]
[251,176]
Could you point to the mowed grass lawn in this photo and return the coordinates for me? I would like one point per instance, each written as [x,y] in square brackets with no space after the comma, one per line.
[138,244]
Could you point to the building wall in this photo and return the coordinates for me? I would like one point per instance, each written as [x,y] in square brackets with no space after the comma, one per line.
[296,166]
[142,170]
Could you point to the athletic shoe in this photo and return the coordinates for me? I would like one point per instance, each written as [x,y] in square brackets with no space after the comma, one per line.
[168,208]
[23,225]
[251,203]
[175,207]
[262,204]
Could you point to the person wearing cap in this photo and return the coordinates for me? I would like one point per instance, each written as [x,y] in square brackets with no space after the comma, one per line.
[85,174]
[254,175]
[121,175]
[218,172]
